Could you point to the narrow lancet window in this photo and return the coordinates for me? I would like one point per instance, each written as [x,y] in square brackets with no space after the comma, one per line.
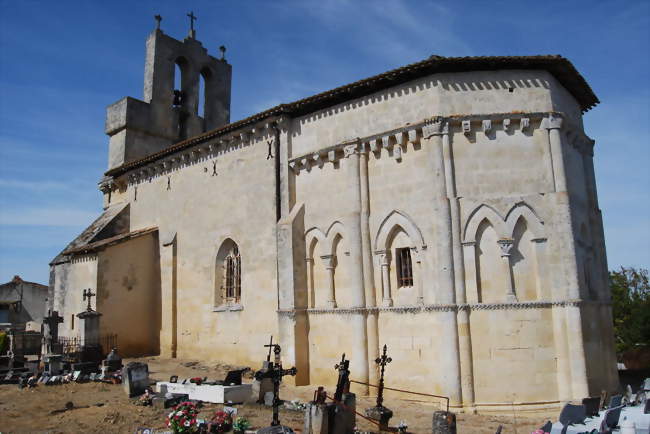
[404,267]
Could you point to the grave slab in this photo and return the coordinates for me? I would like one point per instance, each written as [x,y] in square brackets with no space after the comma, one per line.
[213,393]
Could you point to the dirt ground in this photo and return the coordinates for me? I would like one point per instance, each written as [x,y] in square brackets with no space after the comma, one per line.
[105,408]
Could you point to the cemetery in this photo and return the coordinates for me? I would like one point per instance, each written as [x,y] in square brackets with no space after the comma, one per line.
[91,389]
[418,251]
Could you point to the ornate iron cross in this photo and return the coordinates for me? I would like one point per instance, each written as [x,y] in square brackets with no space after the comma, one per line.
[382,361]
[87,295]
[343,383]
[158,19]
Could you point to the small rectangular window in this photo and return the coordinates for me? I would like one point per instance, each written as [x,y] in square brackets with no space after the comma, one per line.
[404,267]
[72,322]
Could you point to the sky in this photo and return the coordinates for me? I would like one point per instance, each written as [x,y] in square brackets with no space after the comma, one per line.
[63,62]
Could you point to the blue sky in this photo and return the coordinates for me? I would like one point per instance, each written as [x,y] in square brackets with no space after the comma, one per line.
[63,62]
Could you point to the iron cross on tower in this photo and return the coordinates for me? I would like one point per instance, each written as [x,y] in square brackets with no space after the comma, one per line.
[192,18]
[382,361]
[87,295]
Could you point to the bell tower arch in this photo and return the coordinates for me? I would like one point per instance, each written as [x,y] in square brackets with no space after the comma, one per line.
[167,115]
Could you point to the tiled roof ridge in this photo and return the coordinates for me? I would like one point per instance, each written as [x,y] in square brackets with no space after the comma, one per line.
[560,67]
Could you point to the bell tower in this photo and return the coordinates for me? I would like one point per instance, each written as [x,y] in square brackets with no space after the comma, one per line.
[167,115]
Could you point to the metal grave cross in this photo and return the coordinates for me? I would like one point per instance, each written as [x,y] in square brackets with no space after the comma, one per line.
[87,295]
[343,383]
[382,361]
[275,372]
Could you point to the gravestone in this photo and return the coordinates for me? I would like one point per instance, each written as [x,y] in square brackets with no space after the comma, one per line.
[591,406]
[444,422]
[53,364]
[135,377]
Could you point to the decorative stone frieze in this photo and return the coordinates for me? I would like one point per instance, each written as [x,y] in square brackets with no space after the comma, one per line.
[443,307]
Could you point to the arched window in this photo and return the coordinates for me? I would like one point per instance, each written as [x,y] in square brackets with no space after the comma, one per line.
[233,275]
[227,282]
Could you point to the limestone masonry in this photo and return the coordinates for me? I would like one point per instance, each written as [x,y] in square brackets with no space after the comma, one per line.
[447,209]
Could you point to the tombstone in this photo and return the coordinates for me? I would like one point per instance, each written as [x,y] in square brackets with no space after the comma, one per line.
[627,398]
[591,406]
[444,422]
[53,364]
[610,419]
[572,414]
[317,414]
[135,377]
[113,361]
[615,401]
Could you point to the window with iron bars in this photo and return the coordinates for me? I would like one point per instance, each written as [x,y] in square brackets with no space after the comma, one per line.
[404,267]
[233,276]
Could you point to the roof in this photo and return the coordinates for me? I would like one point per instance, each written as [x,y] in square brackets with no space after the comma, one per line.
[561,68]
[18,280]
[98,245]
[89,234]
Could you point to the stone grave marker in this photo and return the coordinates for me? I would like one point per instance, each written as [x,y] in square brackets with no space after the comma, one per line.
[135,377]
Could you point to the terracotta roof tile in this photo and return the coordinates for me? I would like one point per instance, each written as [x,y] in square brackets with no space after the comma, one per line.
[561,68]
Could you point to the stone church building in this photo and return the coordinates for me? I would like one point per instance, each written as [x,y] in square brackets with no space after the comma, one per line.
[447,208]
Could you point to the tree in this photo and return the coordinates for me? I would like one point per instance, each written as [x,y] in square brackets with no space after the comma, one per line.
[631,308]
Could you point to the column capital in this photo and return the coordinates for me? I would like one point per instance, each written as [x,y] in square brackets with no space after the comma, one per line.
[553,121]
[384,256]
[350,149]
[329,260]
[506,245]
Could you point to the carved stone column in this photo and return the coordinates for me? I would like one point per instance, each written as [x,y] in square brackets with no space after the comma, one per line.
[568,287]
[355,244]
[330,265]
[309,264]
[506,246]
[384,262]
[432,133]
[372,323]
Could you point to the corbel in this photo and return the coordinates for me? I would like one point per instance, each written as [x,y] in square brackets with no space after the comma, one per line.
[486,125]
[524,124]
[466,127]
[413,136]
[304,162]
[506,124]
[318,158]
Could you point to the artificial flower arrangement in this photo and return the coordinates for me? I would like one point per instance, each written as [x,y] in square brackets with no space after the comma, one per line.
[182,419]
[221,422]
[241,424]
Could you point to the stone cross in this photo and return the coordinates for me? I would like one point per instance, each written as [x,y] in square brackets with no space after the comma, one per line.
[53,320]
[192,18]
[382,361]
[87,295]
[158,19]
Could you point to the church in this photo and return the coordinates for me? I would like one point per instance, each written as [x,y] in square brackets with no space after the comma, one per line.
[447,209]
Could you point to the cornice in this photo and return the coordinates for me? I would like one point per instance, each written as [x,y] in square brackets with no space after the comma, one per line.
[396,139]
